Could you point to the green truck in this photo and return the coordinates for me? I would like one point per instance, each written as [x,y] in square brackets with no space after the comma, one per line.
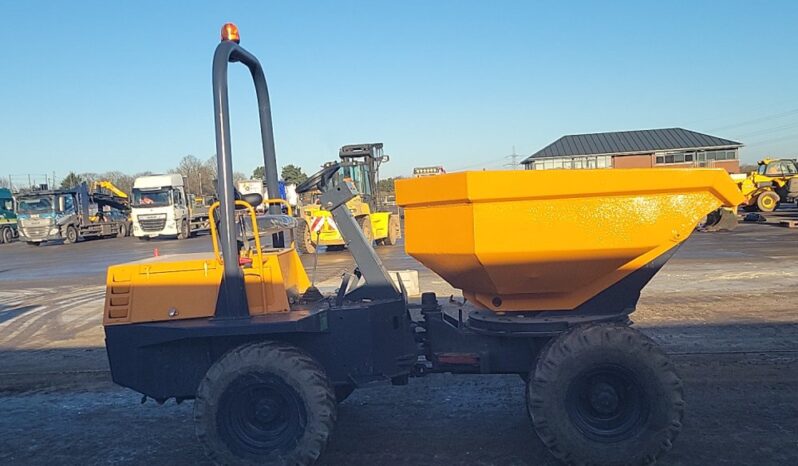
[8,216]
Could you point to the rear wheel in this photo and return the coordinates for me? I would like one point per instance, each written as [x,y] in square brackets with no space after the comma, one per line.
[605,394]
[302,239]
[394,231]
[71,235]
[122,232]
[767,201]
[265,403]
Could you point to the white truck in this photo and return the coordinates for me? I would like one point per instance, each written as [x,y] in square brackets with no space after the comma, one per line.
[160,207]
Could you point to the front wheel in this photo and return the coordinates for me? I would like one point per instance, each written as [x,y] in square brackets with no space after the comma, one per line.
[6,235]
[185,231]
[767,201]
[71,235]
[605,394]
[122,232]
[302,238]
[365,225]
[265,403]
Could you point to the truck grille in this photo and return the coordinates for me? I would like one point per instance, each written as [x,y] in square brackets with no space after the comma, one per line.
[152,224]
[37,232]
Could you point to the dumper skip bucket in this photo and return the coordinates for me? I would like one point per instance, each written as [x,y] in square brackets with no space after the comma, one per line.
[538,240]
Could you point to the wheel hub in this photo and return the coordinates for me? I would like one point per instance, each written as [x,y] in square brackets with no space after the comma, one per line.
[606,403]
[604,398]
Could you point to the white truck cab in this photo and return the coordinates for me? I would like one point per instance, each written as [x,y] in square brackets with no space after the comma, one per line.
[159,207]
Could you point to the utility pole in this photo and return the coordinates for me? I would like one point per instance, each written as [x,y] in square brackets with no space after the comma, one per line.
[513,163]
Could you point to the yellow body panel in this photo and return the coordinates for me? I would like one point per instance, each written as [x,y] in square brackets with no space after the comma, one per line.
[330,236]
[550,240]
[186,286]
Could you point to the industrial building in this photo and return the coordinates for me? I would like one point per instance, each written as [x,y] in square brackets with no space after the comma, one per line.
[669,147]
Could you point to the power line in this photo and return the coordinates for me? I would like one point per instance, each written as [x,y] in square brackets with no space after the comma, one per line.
[774,116]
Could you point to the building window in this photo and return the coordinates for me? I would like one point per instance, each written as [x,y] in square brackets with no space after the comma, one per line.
[697,157]
[578,162]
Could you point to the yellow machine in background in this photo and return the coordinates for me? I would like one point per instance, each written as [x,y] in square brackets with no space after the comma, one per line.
[774,182]
[104,184]
[359,164]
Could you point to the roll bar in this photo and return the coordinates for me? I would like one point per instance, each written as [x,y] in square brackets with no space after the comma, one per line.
[232,300]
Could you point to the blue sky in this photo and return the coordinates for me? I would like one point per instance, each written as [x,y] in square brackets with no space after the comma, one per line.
[99,86]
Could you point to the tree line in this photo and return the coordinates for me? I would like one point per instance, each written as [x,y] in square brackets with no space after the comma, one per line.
[199,176]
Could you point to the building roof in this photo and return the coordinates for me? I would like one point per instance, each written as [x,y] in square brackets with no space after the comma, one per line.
[630,142]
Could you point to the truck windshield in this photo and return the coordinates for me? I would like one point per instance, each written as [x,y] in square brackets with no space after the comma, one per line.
[35,205]
[155,198]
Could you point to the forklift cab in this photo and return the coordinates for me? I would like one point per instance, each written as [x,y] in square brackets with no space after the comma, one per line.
[777,168]
[360,164]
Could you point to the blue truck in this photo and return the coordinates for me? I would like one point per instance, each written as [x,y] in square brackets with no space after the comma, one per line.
[70,215]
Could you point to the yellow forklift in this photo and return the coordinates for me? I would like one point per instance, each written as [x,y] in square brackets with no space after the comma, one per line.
[266,358]
[360,165]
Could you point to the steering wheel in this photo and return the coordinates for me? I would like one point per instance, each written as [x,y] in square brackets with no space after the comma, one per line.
[319,179]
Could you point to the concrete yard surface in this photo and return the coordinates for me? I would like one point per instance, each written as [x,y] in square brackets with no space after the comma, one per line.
[725,308]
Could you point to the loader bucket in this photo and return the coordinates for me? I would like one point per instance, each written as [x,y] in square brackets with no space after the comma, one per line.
[538,240]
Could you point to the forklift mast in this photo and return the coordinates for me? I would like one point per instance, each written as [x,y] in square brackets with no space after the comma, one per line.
[361,164]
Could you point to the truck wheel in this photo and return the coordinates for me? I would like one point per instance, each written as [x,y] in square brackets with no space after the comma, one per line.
[122,231]
[184,230]
[365,226]
[394,231]
[266,403]
[71,235]
[6,236]
[767,201]
[302,239]
[605,394]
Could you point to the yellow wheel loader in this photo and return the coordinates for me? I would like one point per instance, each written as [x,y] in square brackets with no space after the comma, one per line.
[360,164]
[267,358]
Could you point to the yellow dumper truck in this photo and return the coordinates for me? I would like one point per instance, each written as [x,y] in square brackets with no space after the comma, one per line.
[267,358]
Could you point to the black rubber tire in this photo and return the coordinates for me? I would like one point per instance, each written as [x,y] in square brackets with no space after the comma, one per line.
[71,235]
[6,235]
[302,240]
[365,225]
[297,400]
[122,232]
[185,230]
[768,201]
[574,419]
[394,231]
[342,392]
